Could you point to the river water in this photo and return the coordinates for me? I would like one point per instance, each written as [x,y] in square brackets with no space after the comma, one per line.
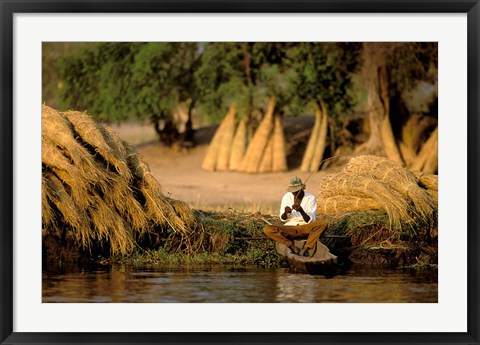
[159,284]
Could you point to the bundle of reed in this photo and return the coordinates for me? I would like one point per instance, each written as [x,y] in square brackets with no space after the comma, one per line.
[58,141]
[427,181]
[239,145]
[312,142]
[228,133]
[157,207]
[316,144]
[394,175]
[346,203]
[267,160]
[255,151]
[96,186]
[279,158]
[86,129]
[209,163]
[364,186]
[430,183]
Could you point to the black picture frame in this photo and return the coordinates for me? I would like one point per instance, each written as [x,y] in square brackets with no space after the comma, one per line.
[10,7]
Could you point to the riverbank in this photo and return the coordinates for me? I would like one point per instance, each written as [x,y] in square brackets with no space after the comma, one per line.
[236,238]
[215,218]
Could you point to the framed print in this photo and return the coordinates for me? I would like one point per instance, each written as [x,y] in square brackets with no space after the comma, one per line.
[127,217]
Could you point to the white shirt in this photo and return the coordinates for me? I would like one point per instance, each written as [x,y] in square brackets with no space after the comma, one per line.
[309,205]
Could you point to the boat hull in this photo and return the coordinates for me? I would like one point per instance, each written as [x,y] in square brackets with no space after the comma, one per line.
[321,262]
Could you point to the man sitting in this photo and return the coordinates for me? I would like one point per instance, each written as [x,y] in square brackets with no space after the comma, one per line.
[297,211]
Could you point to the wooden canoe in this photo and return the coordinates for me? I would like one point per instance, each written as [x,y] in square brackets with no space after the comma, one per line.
[322,261]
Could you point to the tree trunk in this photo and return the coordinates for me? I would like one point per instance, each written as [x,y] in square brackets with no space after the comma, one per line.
[431,163]
[412,136]
[188,135]
[427,159]
[407,153]
[375,74]
[389,142]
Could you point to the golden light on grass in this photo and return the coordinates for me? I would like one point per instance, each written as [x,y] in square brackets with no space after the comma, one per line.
[96,185]
[376,183]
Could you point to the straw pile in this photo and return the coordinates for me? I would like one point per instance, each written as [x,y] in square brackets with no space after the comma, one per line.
[95,185]
[239,145]
[376,183]
[316,143]
[255,151]
[430,183]
[230,150]
[396,177]
[217,157]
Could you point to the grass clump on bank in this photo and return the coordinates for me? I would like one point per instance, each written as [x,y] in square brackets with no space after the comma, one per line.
[229,238]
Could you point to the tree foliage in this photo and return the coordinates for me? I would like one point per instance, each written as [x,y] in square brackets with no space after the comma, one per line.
[119,80]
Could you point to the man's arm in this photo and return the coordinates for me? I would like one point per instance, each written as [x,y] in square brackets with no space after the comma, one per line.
[285,209]
[309,212]
[305,216]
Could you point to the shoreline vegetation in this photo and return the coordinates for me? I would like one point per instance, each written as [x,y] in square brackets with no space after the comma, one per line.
[101,204]
[236,239]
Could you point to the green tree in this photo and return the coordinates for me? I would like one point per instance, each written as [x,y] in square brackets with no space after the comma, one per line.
[246,74]
[299,76]
[323,81]
[119,81]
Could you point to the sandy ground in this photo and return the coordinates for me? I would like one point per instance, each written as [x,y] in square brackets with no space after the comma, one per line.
[182,178]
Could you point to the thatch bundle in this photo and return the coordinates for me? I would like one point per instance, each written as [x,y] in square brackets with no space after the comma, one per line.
[369,183]
[239,145]
[363,186]
[344,203]
[396,177]
[430,183]
[95,185]
[279,158]
[312,159]
[226,129]
[255,151]
[230,149]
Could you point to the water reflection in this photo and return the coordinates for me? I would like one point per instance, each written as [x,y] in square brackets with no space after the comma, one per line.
[151,284]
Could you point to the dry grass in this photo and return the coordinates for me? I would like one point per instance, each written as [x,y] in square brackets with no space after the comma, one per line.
[346,203]
[279,159]
[96,185]
[363,186]
[397,178]
[253,156]
[239,145]
[370,183]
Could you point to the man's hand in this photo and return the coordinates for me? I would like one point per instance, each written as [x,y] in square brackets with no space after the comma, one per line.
[285,214]
[297,207]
